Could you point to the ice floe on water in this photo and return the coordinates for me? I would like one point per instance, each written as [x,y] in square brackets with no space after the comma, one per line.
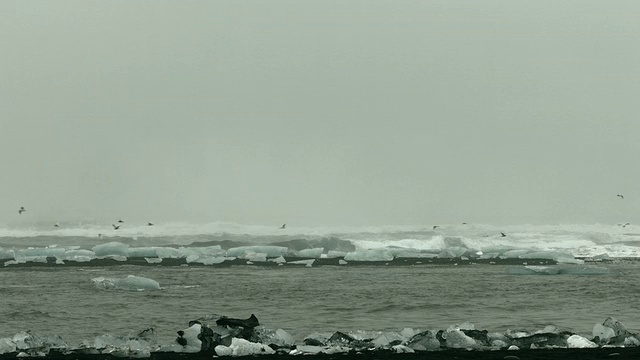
[558,270]
[131,282]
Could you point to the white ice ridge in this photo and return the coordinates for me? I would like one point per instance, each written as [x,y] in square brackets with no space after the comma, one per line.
[216,255]
[562,243]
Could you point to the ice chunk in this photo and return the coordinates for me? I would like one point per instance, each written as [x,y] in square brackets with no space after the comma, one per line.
[256,257]
[534,270]
[518,253]
[7,345]
[407,333]
[342,262]
[79,255]
[33,343]
[167,252]
[558,270]
[189,339]
[314,350]
[558,255]
[153,260]
[242,347]
[611,331]
[131,282]
[401,349]
[50,251]
[130,346]
[577,341]
[205,260]
[279,260]
[464,326]
[336,254]
[306,350]
[6,254]
[457,339]
[631,341]
[284,338]
[369,255]
[569,260]
[499,344]
[424,341]
[603,333]
[270,251]
[453,252]
[26,259]
[549,329]
[150,252]
[387,339]
[112,248]
[308,262]
[313,253]
[277,337]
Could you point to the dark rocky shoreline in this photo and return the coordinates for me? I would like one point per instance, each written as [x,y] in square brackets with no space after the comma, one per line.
[538,354]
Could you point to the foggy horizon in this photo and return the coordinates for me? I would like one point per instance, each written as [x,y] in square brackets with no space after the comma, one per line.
[333,113]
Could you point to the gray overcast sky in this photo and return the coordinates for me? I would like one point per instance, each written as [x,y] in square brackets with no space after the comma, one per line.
[321,112]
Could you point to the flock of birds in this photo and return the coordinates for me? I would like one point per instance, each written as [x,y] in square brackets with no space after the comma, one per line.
[284,226]
[115,227]
[502,234]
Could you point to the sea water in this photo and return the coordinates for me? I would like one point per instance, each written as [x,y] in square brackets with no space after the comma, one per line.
[65,300]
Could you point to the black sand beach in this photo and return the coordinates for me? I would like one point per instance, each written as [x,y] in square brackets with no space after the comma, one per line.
[538,354]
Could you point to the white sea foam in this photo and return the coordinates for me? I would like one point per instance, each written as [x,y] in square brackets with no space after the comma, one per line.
[82,243]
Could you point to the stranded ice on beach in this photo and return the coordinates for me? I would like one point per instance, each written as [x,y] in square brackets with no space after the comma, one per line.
[226,336]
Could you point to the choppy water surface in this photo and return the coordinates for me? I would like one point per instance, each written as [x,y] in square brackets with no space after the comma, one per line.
[65,301]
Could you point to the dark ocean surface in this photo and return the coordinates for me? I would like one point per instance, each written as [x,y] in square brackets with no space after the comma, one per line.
[63,300]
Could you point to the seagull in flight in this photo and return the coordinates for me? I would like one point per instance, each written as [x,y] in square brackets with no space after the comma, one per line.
[503,234]
[283,226]
[56,225]
[22,209]
[120,221]
[620,196]
[115,227]
[624,225]
[149,223]
[435,227]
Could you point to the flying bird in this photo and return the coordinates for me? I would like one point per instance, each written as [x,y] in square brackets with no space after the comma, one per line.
[620,196]
[624,225]
[22,209]
[435,227]
[149,223]
[115,227]
[503,234]
[56,225]
[283,226]
[120,221]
